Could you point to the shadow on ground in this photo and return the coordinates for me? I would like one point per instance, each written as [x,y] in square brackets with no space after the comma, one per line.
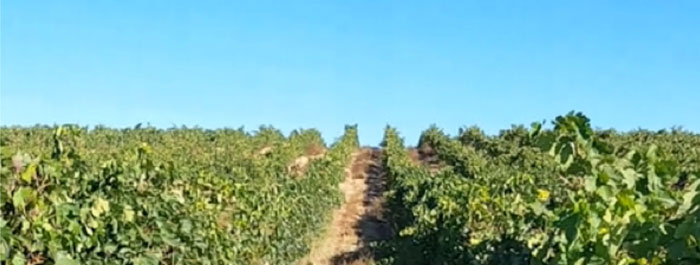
[372,226]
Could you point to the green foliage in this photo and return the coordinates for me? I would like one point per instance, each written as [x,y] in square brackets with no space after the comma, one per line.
[567,195]
[146,196]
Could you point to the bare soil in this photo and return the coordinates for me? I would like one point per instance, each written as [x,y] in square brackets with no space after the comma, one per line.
[299,166]
[425,156]
[359,220]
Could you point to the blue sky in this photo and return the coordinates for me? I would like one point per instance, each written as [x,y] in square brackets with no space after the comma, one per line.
[323,64]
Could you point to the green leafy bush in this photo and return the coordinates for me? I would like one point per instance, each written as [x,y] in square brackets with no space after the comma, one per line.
[567,195]
[146,196]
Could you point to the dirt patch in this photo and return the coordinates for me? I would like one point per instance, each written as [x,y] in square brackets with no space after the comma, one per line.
[414,155]
[314,150]
[299,166]
[264,151]
[359,220]
[426,156]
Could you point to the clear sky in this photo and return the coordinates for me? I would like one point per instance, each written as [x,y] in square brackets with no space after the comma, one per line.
[323,64]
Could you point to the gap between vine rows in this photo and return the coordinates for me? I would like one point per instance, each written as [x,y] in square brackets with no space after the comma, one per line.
[359,220]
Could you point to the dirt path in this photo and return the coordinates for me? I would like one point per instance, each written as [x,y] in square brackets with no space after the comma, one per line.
[359,220]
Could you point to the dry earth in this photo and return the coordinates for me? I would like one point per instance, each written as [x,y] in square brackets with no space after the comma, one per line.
[359,220]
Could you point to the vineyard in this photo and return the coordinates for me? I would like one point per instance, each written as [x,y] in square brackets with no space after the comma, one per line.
[147,196]
[559,193]
[566,195]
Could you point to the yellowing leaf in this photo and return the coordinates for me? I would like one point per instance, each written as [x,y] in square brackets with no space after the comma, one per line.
[474,241]
[603,231]
[542,195]
[408,231]
[29,173]
[47,227]
[22,197]
[99,207]
[128,214]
